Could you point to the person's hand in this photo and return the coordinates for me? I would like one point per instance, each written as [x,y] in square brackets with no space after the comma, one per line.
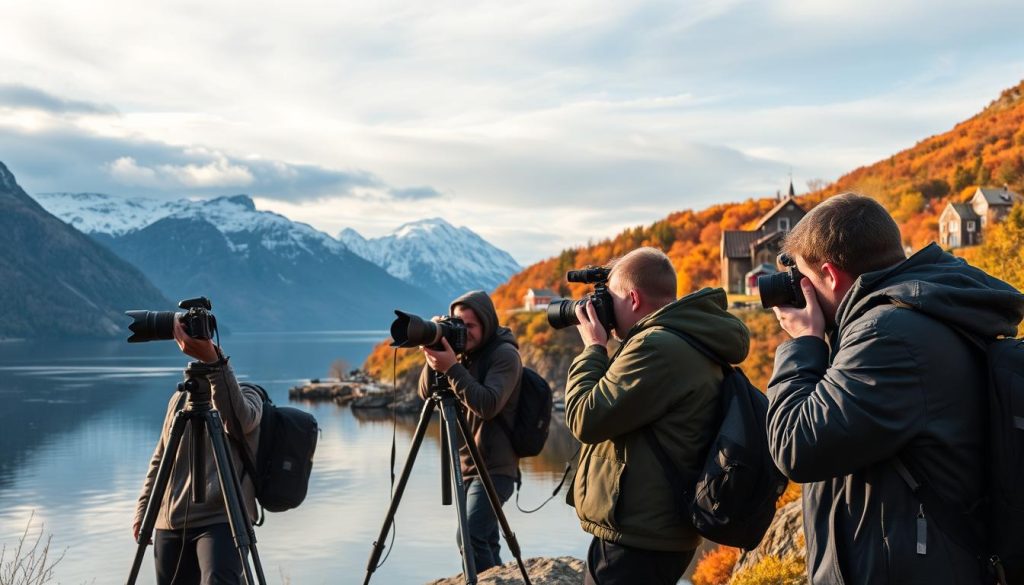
[440,359]
[806,321]
[136,526]
[201,349]
[592,332]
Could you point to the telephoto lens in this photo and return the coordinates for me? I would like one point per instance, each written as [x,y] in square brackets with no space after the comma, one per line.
[408,330]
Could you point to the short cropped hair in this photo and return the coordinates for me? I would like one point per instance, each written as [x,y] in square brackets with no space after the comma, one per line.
[647,270]
[851,231]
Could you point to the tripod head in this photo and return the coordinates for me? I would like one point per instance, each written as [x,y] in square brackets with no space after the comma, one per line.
[196,386]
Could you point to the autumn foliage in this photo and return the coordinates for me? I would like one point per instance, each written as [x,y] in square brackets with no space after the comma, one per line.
[715,567]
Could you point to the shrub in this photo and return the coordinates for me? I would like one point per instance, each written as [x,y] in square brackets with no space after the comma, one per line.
[715,567]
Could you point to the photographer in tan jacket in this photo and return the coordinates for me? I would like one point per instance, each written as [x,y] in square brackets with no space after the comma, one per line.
[193,542]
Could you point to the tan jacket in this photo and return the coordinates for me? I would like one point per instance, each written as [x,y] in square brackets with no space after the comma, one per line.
[241,410]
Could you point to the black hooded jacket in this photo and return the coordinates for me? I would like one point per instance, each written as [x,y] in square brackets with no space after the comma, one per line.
[496,395]
[898,381]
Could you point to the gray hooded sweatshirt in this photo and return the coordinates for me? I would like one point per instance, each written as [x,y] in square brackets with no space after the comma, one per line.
[496,395]
[899,380]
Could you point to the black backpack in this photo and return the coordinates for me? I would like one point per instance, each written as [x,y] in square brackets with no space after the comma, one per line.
[1002,548]
[284,458]
[533,413]
[731,500]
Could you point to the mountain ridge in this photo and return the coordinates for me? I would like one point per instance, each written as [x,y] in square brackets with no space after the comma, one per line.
[57,281]
[436,255]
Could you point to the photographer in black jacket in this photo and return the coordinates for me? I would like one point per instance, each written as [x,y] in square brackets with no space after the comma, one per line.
[880,367]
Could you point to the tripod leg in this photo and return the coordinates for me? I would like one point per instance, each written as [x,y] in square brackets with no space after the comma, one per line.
[237,515]
[446,466]
[450,423]
[403,479]
[156,497]
[492,494]
[237,481]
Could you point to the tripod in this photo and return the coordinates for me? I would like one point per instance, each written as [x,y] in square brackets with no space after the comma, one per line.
[452,415]
[202,418]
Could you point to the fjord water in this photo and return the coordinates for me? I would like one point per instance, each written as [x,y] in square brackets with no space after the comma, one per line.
[79,420]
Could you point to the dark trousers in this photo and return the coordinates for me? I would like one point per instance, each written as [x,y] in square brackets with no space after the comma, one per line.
[205,555]
[483,524]
[613,564]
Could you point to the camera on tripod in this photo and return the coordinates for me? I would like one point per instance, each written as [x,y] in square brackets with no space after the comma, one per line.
[197,321]
[408,330]
[562,313]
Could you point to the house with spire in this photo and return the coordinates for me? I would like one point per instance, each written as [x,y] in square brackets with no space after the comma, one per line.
[747,254]
[964,224]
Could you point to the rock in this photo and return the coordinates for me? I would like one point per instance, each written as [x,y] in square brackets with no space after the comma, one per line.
[372,401]
[408,405]
[542,571]
[325,391]
[785,537]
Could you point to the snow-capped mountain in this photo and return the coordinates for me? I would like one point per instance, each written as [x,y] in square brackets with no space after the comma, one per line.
[96,213]
[435,255]
[262,270]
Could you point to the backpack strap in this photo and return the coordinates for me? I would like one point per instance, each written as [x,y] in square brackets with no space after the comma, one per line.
[484,361]
[248,466]
[682,481]
[703,349]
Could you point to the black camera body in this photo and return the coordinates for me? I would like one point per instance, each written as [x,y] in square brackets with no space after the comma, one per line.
[562,313]
[408,330]
[782,288]
[197,321]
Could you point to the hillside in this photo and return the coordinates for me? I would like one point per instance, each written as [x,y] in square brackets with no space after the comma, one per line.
[57,281]
[914,185]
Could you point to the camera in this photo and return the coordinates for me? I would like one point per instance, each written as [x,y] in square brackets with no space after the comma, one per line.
[782,288]
[197,321]
[562,313]
[408,330]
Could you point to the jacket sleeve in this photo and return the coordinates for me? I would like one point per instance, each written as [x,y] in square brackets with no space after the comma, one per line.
[423,387]
[829,421]
[603,402]
[154,462]
[240,409]
[486,399]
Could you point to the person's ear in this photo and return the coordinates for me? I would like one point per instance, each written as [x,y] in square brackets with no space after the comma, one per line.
[634,300]
[834,277]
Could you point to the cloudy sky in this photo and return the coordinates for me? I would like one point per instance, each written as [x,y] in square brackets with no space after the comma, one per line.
[539,125]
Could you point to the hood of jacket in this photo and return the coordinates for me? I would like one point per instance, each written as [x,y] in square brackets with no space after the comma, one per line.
[702,315]
[944,287]
[482,306]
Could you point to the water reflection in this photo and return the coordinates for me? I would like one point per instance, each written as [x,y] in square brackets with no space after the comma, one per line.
[79,423]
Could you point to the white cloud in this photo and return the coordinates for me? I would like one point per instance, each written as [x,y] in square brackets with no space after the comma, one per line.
[127,171]
[507,109]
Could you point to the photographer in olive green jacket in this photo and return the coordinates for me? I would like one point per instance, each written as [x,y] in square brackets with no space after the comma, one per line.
[621,493]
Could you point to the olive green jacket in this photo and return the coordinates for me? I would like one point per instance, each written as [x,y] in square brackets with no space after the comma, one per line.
[656,379]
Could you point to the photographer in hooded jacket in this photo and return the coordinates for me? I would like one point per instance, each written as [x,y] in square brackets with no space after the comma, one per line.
[496,395]
[193,542]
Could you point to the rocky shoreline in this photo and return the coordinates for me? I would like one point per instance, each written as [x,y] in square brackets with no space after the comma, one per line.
[357,391]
